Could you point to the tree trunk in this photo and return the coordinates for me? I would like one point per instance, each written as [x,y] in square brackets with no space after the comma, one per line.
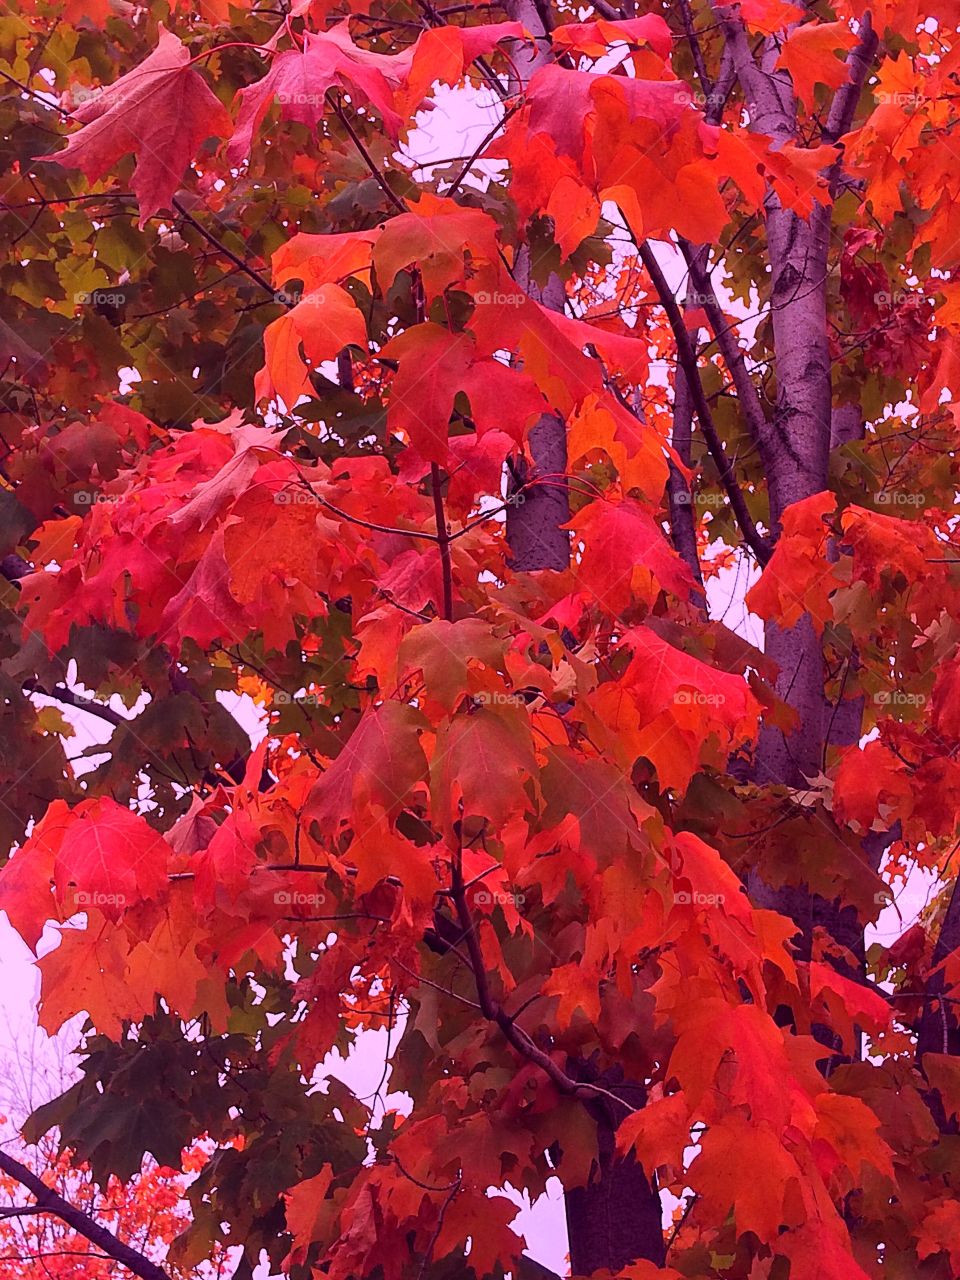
[535,518]
[616,1219]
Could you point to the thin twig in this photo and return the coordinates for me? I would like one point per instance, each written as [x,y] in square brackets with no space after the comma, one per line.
[366,156]
[481,148]
[492,1010]
[237,261]
[367,524]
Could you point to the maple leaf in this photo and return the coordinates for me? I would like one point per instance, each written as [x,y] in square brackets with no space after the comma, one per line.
[435,366]
[943,1072]
[770,16]
[850,1003]
[299,79]
[808,54]
[443,53]
[98,854]
[658,1133]
[821,1249]
[725,1181]
[883,545]
[626,556]
[799,579]
[445,653]
[379,764]
[308,1213]
[85,972]
[867,779]
[563,102]
[433,363]
[325,321]
[635,450]
[323,259]
[596,37]
[850,1128]
[448,243]
[224,866]
[166,963]
[577,988]
[670,706]
[761,1075]
[481,762]
[26,891]
[161,111]
[248,445]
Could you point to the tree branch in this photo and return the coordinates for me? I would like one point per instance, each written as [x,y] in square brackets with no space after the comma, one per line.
[365,155]
[237,261]
[60,693]
[845,100]
[494,1011]
[706,84]
[443,540]
[747,395]
[688,362]
[48,1201]
[933,1033]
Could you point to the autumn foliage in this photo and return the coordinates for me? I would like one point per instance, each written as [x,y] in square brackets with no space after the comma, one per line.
[281,381]
[149,1212]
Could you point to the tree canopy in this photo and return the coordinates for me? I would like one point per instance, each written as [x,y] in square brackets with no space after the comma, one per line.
[380,503]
